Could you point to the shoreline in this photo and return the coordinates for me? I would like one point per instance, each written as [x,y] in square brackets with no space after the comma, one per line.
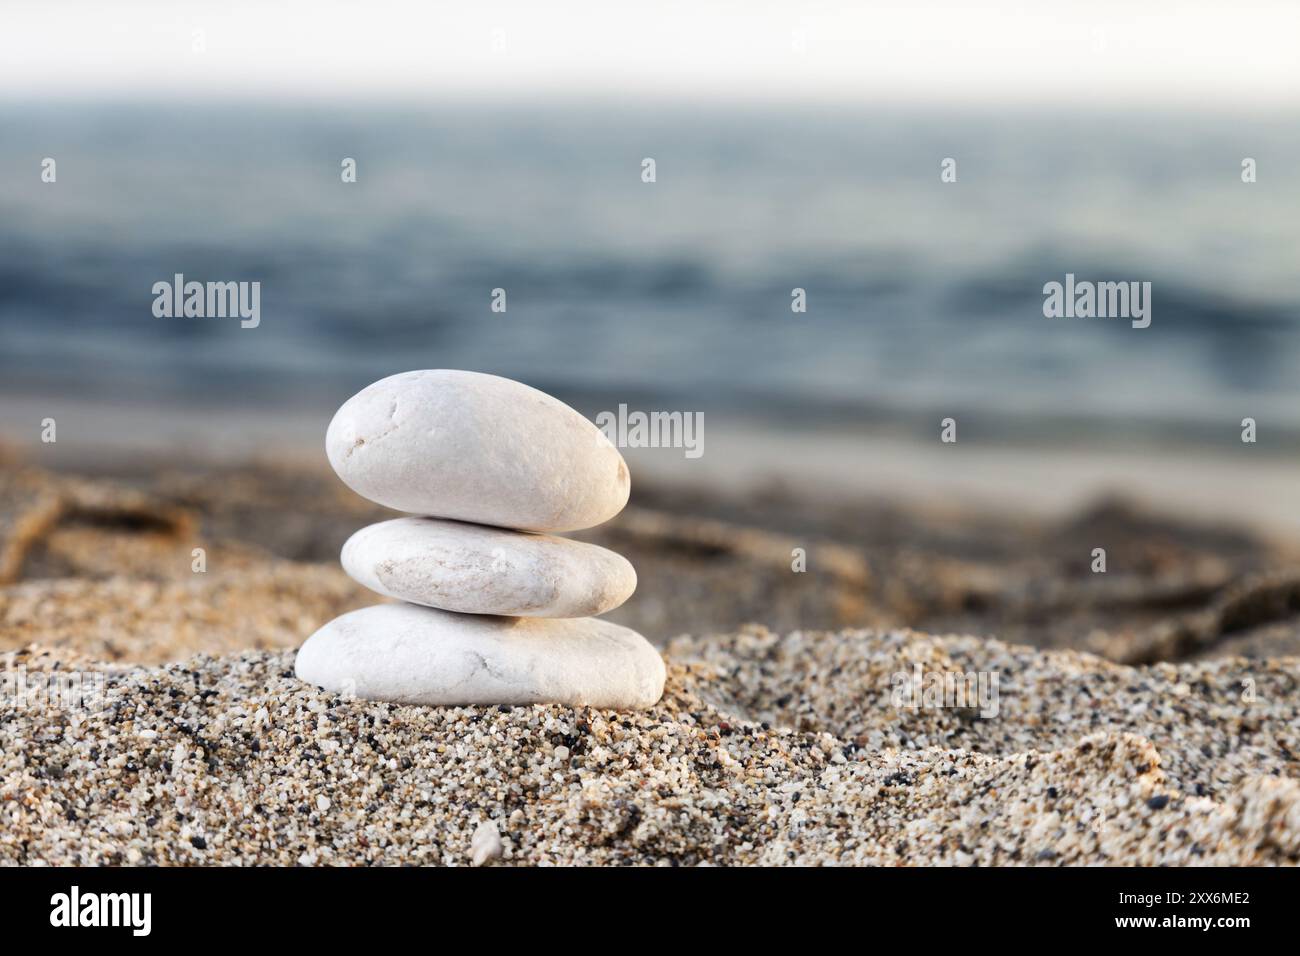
[1247,486]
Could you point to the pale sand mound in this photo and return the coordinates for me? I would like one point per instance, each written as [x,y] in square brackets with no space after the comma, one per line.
[225,760]
[271,604]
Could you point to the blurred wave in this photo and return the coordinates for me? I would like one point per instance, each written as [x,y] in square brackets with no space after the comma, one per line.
[921,295]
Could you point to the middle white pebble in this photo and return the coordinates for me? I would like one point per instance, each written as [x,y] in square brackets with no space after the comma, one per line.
[479,570]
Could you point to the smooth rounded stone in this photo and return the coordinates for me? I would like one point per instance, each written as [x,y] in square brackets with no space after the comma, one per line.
[421,655]
[475,447]
[479,570]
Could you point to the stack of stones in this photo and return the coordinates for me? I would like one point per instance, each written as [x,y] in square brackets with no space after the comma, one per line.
[496,609]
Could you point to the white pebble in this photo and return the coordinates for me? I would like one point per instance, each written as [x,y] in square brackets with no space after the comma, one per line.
[485,845]
[475,447]
[420,655]
[478,570]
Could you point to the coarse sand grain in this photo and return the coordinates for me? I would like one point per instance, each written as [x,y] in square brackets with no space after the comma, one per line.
[766,748]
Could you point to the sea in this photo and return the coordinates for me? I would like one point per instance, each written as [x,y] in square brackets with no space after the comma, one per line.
[923,293]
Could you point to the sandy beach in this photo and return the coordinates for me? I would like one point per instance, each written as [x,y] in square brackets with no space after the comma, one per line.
[1144,716]
[765,749]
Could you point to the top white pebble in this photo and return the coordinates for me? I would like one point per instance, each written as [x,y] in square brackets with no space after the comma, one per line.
[479,448]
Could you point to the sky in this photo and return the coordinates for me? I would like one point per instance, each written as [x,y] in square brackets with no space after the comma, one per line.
[1239,54]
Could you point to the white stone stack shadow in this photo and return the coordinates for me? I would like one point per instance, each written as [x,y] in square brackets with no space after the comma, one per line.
[496,609]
